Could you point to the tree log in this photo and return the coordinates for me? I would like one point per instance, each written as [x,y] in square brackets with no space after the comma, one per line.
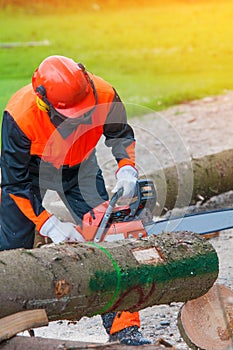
[70,281]
[184,183]
[207,322]
[37,343]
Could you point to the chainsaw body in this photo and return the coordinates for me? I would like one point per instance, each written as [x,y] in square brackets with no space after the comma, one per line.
[111,222]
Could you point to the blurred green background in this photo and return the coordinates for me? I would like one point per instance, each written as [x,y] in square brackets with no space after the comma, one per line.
[155,53]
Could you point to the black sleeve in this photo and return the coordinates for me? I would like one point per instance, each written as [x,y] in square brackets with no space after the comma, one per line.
[15,158]
[118,133]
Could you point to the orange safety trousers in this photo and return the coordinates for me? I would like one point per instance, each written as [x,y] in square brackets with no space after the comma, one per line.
[125,319]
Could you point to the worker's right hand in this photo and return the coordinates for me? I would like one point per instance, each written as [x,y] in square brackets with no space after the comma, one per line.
[126,177]
[59,231]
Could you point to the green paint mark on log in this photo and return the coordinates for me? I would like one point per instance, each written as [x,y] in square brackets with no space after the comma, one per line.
[114,279]
[147,274]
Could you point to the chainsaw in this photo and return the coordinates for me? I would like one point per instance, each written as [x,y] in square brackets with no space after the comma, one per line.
[110,221]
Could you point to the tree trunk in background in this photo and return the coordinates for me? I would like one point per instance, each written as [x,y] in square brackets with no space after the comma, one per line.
[183,183]
[71,281]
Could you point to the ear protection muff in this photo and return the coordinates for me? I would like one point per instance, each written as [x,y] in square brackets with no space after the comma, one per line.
[41,92]
[41,99]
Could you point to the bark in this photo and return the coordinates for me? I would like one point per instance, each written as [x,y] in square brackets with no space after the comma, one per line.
[185,183]
[26,343]
[71,281]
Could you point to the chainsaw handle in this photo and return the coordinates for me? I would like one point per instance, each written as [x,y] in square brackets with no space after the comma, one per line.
[116,196]
[106,217]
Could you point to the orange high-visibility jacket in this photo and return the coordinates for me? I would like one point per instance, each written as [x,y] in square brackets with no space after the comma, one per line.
[29,138]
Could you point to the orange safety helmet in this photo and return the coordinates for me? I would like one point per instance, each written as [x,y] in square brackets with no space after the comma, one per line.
[65,86]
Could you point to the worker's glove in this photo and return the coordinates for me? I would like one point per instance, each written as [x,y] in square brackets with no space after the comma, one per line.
[127,178]
[59,231]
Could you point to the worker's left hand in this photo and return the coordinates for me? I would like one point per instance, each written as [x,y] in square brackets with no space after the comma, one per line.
[127,178]
[59,231]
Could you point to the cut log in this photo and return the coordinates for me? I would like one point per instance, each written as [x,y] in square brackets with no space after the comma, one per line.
[26,343]
[207,322]
[204,177]
[21,321]
[70,281]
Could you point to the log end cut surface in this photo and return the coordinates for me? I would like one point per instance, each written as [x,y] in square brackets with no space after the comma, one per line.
[207,322]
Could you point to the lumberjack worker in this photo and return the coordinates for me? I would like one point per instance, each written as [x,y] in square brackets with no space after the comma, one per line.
[49,132]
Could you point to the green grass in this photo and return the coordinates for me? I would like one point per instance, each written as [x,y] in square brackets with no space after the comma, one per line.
[154,55]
